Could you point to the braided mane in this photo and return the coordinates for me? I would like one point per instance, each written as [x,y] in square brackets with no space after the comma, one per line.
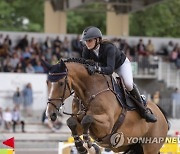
[81,61]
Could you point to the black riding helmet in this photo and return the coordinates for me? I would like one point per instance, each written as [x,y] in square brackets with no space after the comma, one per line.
[91,33]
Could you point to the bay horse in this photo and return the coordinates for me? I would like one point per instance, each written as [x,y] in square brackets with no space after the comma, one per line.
[95,110]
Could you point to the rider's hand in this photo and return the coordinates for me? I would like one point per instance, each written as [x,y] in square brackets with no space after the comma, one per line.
[93,69]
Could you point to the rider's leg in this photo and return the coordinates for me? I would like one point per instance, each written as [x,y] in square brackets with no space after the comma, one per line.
[125,71]
[145,113]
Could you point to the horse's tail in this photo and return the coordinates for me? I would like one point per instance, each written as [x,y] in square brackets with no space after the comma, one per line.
[165,116]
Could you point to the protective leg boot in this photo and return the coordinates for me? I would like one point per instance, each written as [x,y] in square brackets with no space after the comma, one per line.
[144,112]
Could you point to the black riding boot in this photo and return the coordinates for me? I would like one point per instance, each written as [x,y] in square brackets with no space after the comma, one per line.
[144,112]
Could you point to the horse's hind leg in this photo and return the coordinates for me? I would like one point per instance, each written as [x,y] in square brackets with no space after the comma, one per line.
[86,123]
[72,124]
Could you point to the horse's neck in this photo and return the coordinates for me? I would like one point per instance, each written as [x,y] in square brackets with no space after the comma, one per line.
[82,83]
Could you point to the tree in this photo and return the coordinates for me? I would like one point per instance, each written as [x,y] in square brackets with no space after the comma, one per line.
[21,15]
[159,20]
[89,16]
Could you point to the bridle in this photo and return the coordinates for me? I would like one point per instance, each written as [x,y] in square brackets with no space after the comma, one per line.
[51,100]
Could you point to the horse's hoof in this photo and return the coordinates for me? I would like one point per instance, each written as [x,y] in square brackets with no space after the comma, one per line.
[97,149]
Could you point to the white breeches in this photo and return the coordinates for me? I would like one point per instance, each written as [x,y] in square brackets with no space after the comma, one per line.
[125,72]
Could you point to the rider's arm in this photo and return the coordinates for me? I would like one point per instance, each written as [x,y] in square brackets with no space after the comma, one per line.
[109,69]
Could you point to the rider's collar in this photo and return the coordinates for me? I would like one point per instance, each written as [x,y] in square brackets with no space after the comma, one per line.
[96,51]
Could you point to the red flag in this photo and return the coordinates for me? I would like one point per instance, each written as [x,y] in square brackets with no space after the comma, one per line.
[9,142]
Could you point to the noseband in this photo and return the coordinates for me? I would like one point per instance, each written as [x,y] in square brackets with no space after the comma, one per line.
[51,100]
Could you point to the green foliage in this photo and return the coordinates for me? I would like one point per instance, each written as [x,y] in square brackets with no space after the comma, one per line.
[159,20]
[89,16]
[13,13]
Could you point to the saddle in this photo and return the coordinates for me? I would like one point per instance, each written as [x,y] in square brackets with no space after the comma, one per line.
[122,94]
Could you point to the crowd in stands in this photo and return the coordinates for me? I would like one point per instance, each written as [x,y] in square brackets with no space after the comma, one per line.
[142,51]
[25,55]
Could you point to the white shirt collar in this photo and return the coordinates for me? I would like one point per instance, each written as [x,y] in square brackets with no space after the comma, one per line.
[96,51]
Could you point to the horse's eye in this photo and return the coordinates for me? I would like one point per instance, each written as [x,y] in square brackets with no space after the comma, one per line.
[61,83]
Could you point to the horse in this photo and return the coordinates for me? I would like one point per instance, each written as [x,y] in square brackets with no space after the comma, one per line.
[95,110]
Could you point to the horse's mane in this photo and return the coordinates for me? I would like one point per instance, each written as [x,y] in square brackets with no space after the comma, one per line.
[81,61]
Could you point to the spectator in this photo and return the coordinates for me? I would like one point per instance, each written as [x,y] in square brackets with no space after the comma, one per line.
[7,118]
[169,48]
[150,48]
[175,95]
[7,65]
[14,60]
[47,43]
[77,47]
[1,39]
[38,68]
[19,68]
[30,68]
[16,119]
[141,48]
[7,41]
[1,117]
[178,59]
[27,53]
[116,42]
[48,54]
[17,98]
[156,97]
[54,60]
[174,54]
[23,43]
[33,43]
[28,98]
[57,52]
[66,46]
[57,43]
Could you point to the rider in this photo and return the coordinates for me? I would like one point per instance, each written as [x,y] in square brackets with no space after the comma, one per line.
[110,60]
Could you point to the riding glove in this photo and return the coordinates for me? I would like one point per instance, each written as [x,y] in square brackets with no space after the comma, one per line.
[93,69]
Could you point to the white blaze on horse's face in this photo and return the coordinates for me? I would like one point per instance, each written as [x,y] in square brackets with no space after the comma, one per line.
[55,93]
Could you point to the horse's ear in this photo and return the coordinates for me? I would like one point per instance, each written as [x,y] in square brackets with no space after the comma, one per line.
[46,65]
[63,66]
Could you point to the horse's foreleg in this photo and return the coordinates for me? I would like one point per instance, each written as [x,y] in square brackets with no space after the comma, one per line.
[86,123]
[72,124]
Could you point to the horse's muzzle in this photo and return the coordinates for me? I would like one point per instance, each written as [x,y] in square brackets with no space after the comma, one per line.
[53,116]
